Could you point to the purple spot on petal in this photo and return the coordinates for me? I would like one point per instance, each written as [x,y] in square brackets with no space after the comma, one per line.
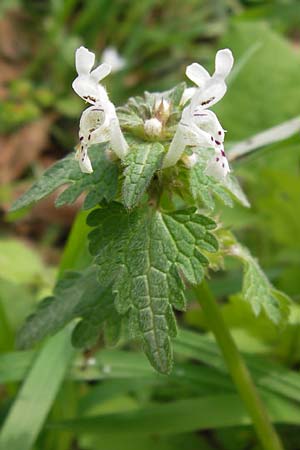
[206,102]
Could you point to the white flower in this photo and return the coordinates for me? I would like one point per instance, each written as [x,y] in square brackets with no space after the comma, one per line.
[199,126]
[153,127]
[86,85]
[212,88]
[93,129]
[99,122]
[99,125]
[187,95]
[111,56]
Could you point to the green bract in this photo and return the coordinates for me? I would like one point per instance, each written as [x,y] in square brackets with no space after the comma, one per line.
[141,164]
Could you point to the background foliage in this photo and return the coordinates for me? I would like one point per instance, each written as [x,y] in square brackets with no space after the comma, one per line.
[102,398]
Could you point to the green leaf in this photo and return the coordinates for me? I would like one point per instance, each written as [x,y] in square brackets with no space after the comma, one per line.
[144,254]
[77,295]
[101,184]
[204,187]
[142,162]
[175,94]
[257,289]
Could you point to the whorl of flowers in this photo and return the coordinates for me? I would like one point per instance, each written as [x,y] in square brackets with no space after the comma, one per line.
[197,127]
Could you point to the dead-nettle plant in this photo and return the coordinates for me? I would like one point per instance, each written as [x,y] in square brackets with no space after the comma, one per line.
[151,170]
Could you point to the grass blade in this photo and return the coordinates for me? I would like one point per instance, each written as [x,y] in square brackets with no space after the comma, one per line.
[181,416]
[36,395]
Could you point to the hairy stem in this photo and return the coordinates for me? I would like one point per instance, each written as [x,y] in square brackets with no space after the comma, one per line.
[239,372]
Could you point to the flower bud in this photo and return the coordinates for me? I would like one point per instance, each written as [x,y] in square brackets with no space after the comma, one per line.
[162,110]
[190,160]
[153,127]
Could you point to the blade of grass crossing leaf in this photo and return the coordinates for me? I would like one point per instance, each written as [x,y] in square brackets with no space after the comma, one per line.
[182,416]
[267,375]
[240,64]
[36,396]
[76,255]
[14,365]
[267,137]
[113,364]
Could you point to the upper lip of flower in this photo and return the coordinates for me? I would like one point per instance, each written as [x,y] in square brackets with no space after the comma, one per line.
[212,88]
[86,84]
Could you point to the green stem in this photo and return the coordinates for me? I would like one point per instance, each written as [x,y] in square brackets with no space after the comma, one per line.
[239,372]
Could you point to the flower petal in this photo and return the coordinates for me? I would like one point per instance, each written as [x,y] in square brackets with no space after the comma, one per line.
[223,63]
[84,160]
[218,166]
[100,135]
[176,148]
[88,89]
[117,140]
[187,95]
[208,121]
[196,73]
[213,91]
[101,72]
[194,136]
[94,126]
[91,119]
[84,60]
